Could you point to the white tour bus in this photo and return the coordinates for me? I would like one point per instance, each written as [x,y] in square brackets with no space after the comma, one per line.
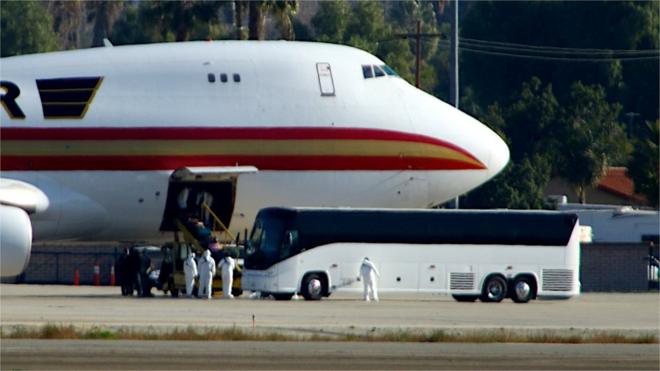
[488,255]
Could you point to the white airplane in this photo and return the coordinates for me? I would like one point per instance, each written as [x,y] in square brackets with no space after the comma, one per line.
[99,144]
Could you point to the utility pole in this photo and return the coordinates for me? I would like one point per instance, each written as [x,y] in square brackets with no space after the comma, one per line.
[418,51]
[631,119]
[453,70]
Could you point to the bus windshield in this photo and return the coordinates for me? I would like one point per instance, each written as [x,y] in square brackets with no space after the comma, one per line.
[265,241]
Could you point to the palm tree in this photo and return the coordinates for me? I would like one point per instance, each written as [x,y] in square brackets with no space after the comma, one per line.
[260,9]
[67,16]
[103,14]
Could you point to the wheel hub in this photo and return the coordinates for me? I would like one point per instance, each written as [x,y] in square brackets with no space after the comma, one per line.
[522,289]
[314,287]
[494,290]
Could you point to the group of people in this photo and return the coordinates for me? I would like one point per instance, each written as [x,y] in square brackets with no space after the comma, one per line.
[133,269]
[205,268]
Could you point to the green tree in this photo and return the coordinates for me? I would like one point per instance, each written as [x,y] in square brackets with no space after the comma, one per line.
[181,20]
[239,13]
[573,24]
[103,14]
[26,27]
[284,10]
[520,185]
[129,29]
[531,121]
[591,137]
[643,167]
[528,122]
[331,20]
[366,27]
[68,21]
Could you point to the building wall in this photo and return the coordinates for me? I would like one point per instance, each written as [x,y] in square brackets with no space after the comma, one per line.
[56,263]
[557,186]
[615,267]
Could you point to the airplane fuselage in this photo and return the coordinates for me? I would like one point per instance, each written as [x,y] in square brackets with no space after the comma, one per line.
[102,131]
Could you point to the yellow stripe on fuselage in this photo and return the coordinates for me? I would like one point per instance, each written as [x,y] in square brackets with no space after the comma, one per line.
[231,147]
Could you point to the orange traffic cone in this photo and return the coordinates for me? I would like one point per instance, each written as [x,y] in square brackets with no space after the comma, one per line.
[97,274]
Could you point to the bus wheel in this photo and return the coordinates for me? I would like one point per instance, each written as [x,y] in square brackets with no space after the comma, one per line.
[281,296]
[465,298]
[312,287]
[523,290]
[494,290]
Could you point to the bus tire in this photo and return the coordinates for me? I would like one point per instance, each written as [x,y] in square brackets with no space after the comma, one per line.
[523,289]
[313,287]
[282,296]
[465,298]
[494,290]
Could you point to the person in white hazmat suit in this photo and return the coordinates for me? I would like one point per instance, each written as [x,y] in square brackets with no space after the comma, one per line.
[227,265]
[190,270]
[206,269]
[368,273]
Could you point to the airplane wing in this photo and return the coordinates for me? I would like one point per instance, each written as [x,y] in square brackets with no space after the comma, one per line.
[212,173]
[17,200]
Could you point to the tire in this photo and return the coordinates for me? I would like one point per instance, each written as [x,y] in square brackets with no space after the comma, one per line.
[313,287]
[494,290]
[280,296]
[523,289]
[174,292]
[465,298]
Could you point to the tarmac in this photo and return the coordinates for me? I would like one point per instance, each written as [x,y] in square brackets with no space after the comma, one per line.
[87,306]
[24,306]
[250,355]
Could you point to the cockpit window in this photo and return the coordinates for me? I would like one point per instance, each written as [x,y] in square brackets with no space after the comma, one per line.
[367,72]
[389,70]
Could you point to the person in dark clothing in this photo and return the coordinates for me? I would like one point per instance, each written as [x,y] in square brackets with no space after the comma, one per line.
[133,271]
[145,269]
[123,273]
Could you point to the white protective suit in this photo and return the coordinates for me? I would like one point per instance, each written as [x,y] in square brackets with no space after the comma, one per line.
[227,265]
[190,270]
[368,273]
[206,269]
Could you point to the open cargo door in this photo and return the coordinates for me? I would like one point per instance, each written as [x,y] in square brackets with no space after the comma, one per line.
[191,187]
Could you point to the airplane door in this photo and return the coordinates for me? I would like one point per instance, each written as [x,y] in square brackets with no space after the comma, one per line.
[185,199]
[326,83]
[190,188]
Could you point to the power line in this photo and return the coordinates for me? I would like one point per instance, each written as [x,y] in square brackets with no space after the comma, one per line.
[568,59]
[555,48]
[606,53]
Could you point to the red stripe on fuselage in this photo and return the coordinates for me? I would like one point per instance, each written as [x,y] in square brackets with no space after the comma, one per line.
[333,163]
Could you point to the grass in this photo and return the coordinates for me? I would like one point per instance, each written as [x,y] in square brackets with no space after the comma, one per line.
[53,331]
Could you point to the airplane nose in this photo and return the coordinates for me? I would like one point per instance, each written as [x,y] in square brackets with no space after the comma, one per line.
[499,154]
